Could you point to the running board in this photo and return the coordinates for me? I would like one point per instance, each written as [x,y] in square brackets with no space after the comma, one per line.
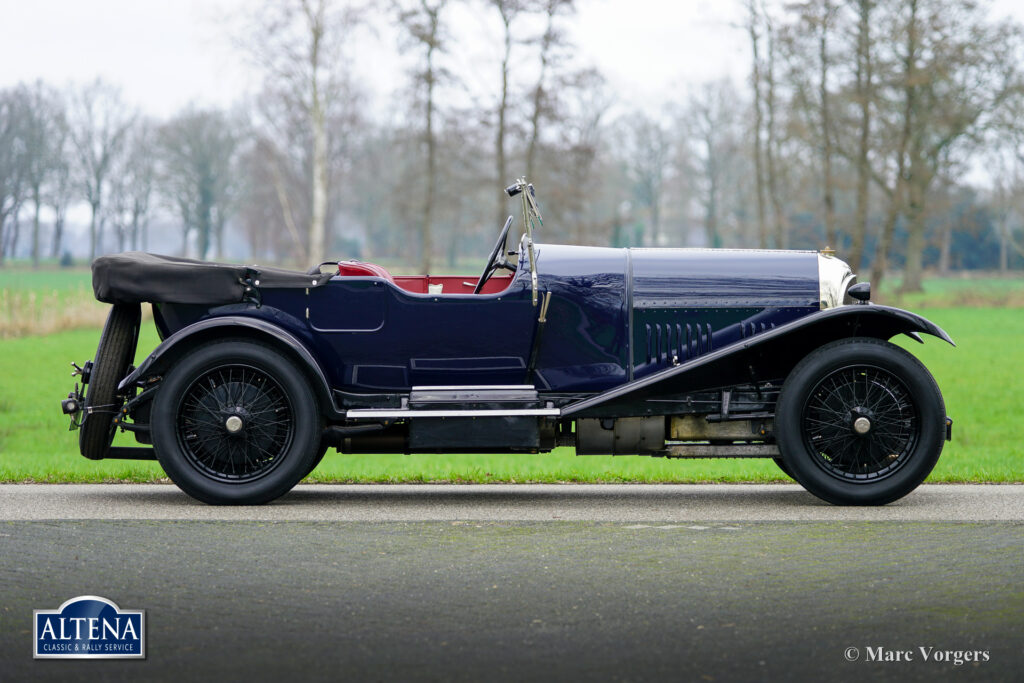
[463,401]
[389,414]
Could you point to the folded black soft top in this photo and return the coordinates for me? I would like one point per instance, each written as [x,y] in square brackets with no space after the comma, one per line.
[135,276]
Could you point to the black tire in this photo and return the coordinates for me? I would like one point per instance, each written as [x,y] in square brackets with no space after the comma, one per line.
[277,437]
[114,355]
[825,396]
[782,466]
[316,461]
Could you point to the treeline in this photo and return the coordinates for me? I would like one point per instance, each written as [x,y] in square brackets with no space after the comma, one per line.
[859,127]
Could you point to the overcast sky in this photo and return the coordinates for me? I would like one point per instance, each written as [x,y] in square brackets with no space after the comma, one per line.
[165,54]
[168,53]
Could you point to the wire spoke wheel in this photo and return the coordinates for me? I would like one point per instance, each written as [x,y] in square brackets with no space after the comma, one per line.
[235,423]
[862,422]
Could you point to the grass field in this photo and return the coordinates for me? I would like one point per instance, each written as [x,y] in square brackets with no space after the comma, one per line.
[980,379]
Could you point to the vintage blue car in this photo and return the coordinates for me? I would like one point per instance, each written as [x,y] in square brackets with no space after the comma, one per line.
[679,353]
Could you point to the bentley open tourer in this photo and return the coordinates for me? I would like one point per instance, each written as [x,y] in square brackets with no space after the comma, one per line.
[677,353]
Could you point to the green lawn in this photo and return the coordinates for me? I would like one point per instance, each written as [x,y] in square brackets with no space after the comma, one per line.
[981,381]
[956,292]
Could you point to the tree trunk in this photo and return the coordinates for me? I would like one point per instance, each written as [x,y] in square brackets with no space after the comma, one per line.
[93,229]
[35,226]
[538,93]
[881,262]
[318,122]
[135,231]
[426,237]
[762,226]
[778,212]
[912,271]
[864,86]
[499,141]
[1004,260]
[831,232]
[317,228]
[58,233]
[899,191]
[655,222]
[711,219]
[947,245]
[711,210]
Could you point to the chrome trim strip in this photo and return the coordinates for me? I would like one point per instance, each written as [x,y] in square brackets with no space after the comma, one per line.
[473,387]
[386,413]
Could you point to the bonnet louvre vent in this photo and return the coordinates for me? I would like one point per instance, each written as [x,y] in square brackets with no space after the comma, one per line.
[668,341]
[750,329]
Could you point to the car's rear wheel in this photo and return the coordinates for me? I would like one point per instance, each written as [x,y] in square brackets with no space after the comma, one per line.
[321,452]
[113,357]
[781,464]
[860,422]
[236,423]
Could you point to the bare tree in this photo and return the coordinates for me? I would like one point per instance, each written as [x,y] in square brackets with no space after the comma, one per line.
[43,139]
[754,26]
[864,94]
[1005,204]
[422,23]
[576,164]
[99,124]
[550,44]
[59,192]
[14,116]
[710,127]
[647,153]
[197,149]
[773,144]
[508,10]
[301,50]
[810,59]
[132,188]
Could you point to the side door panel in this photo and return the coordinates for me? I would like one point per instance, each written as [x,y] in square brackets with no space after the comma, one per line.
[383,338]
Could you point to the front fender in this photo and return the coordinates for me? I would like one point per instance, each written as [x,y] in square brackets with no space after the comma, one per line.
[766,356]
[234,325]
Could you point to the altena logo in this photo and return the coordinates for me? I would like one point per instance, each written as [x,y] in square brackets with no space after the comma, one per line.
[89,627]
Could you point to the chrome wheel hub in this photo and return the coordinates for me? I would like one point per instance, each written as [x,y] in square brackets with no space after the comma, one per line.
[862,425]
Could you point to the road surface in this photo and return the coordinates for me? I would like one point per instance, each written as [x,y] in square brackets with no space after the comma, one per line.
[512,502]
[525,583]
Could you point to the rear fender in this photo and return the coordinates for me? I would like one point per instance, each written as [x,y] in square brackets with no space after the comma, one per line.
[769,355]
[237,326]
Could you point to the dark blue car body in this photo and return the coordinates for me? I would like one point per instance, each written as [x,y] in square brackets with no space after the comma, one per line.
[665,352]
[615,315]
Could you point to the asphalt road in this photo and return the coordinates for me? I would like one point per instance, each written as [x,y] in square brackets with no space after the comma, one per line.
[499,584]
[513,502]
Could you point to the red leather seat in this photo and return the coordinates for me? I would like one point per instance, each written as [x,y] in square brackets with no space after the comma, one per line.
[362,269]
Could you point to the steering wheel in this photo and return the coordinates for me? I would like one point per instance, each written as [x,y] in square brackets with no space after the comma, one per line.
[497,258]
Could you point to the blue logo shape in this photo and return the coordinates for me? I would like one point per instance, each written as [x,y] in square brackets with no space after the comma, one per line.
[89,627]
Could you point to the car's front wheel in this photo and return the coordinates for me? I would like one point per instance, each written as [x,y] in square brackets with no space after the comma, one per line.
[860,422]
[235,423]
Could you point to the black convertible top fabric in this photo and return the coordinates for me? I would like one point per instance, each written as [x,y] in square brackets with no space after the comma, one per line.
[134,277]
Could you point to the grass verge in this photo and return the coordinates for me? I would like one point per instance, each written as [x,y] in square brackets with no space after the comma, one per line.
[980,381]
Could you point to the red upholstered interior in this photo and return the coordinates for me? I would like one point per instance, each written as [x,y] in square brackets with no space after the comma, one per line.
[452,284]
[359,268]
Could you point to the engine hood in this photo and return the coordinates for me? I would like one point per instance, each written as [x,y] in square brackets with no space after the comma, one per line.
[702,278]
